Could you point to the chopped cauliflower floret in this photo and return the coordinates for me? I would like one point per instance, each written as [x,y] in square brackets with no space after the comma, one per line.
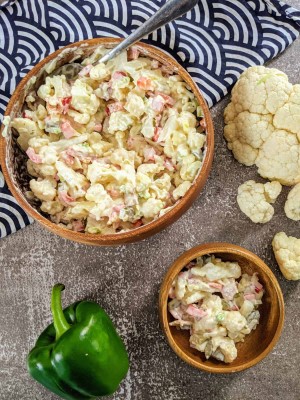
[234,321]
[119,121]
[83,98]
[52,207]
[79,210]
[151,207]
[95,193]
[220,270]
[287,253]
[99,72]
[48,154]
[226,346]
[135,105]
[76,182]
[181,190]
[44,189]
[98,227]
[27,129]
[196,140]
[189,172]
[292,205]
[55,88]
[254,200]
[103,208]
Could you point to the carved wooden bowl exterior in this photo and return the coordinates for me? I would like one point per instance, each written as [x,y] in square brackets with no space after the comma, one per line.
[259,342]
[13,161]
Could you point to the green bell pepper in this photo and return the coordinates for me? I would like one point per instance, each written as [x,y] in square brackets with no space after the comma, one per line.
[80,355]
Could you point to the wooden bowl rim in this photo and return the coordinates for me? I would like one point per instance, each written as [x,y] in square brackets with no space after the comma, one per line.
[179,264]
[152,227]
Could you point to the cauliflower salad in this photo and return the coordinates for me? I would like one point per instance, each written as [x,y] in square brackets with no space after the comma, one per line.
[113,148]
[217,304]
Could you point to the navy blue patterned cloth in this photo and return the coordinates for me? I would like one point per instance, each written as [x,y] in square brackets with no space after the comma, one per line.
[215,42]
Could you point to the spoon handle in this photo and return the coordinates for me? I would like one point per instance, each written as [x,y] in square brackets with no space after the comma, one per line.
[168,12]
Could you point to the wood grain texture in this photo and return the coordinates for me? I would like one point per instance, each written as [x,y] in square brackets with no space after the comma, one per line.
[8,165]
[258,343]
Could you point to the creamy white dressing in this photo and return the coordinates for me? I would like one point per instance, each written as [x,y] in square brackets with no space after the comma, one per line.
[217,304]
[127,129]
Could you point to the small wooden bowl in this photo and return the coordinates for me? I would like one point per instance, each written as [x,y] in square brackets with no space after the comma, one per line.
[13,161]
[259,342]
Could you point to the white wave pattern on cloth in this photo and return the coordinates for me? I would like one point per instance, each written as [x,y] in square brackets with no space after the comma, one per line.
[215,42]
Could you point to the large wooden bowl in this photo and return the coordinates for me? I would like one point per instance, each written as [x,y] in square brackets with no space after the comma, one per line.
[13,161]
[259,342]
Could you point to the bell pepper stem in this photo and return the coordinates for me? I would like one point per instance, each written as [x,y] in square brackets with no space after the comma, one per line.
[60,323]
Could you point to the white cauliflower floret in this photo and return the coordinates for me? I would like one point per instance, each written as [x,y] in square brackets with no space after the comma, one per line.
[81,118]
[288,116]
[217,271]
[292,205]
[135,105]
[150,169]
[246,134]
[44,189]
[263,124]
[287,253]
[75,181]
[151,208]
[234,321]
[261,90]
[272,191]
[48,154]
[189,172]
[99,72]
[79,210]
[160,188]
[247,308]
[181,190]
[95,193]
[98,227]
[103,202]
[196,140]
[41,170]
[187,120]
[38,142]
[54,89]
[143,183]
[279,158]
[51,207]
[226,346]
[83,98]
[119,121]
[254,200]
[102,208]
[27,129]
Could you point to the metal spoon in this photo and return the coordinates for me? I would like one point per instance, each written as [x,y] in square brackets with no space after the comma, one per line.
[173,9]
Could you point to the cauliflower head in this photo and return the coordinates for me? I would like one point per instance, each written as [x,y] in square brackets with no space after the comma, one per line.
[262,124]
[287,253]
[255,199]
[292,205]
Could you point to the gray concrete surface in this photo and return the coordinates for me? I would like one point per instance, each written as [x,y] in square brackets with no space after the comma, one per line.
[126,280]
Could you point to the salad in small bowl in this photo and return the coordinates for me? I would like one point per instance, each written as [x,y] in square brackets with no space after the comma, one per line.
[221,308]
